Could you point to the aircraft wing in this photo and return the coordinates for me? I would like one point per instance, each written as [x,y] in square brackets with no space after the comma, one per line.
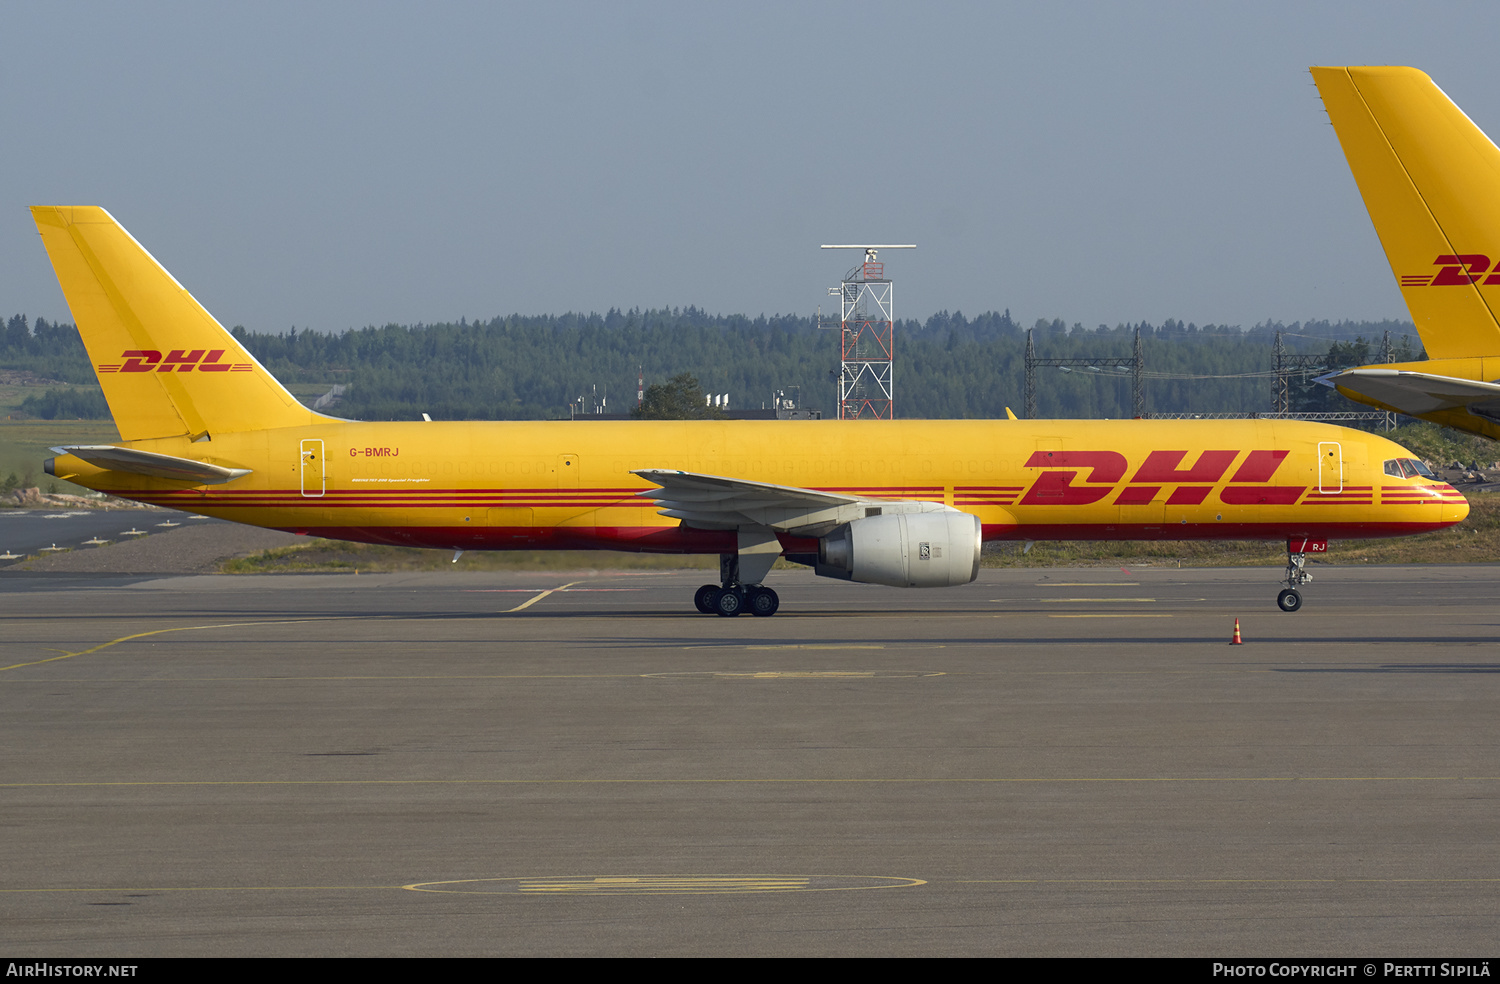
[1416,393]
[111,458]
[714,502]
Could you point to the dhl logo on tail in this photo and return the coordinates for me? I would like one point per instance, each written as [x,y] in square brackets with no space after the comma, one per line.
[1461,270]
[150,360]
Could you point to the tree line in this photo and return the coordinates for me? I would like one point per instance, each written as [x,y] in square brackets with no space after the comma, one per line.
[948,366]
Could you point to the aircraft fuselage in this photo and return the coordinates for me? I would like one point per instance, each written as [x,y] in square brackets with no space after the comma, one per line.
[567,484]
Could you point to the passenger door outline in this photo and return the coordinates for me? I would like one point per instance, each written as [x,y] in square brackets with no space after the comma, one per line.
[1330,468]
[313,468]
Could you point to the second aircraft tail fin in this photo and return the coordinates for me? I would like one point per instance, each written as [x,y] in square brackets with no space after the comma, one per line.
[1431,181]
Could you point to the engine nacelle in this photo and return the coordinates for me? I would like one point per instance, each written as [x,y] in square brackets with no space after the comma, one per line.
[915,550]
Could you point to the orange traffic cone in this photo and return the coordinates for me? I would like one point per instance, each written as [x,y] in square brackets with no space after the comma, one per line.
[1236,641]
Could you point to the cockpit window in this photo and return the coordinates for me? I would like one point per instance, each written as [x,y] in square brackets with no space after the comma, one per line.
[1407,468]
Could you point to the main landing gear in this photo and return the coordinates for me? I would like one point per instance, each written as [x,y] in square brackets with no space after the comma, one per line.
[730,600]
[740,574]
[1290,599]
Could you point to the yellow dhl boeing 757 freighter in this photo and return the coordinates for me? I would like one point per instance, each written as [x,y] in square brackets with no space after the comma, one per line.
[206,429]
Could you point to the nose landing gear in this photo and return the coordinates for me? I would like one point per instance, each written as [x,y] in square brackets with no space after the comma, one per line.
[1290,598]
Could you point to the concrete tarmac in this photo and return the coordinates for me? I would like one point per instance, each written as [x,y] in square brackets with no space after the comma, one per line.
[1064,762]
[38,531]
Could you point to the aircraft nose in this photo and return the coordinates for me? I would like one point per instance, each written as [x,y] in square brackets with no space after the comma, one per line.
[1456,511]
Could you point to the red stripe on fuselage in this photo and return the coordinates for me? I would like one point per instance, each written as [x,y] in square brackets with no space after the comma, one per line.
[684,540]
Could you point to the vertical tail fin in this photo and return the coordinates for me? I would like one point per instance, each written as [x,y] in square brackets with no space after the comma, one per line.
[166,366]
[1431,180]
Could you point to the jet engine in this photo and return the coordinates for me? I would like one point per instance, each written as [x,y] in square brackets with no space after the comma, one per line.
[913,550]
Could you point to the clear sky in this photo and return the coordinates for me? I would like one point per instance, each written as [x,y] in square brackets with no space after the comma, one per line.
[332,165]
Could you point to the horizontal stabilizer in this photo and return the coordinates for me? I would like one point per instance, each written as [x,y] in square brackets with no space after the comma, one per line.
[1414,393]
[111,458]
